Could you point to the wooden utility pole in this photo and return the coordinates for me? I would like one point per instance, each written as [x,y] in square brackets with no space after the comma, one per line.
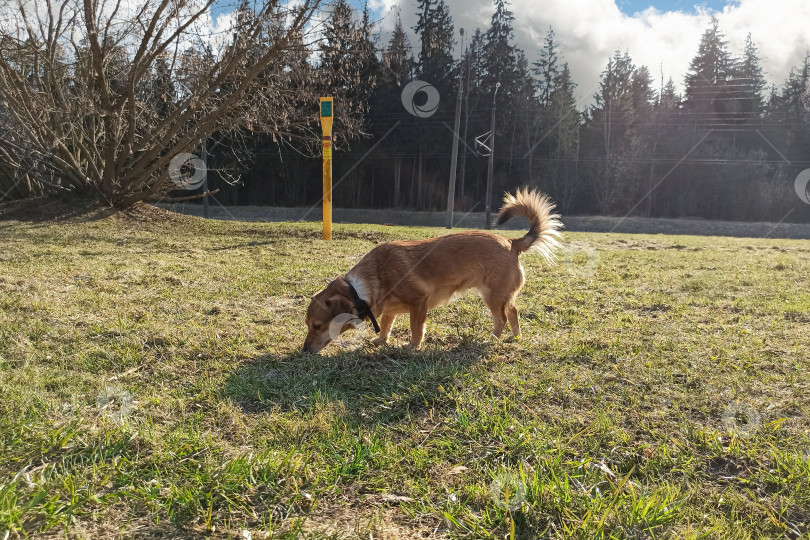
[488,206]
[451,185]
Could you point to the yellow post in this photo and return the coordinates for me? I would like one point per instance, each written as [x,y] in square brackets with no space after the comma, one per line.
[326,143]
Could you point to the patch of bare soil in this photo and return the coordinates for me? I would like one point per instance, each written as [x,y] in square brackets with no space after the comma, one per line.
[42,209]
[46,209]
[146,213]
[380,523]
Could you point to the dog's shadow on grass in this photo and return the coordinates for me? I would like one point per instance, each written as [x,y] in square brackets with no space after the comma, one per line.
[367,385]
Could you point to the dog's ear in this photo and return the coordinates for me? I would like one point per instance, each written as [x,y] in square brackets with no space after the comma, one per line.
[339,304]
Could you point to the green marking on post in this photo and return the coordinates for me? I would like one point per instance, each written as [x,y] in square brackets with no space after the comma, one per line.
[326,108]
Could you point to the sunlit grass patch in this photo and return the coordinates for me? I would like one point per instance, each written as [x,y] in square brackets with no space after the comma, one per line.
[152,384]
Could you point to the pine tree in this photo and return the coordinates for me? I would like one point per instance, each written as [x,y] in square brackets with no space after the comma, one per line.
[500,55]
[557,120]
[397,59]
[669,98]
[564,112]
[435,30]
[423,29]
[708,72]
[434,66]
[472,113]
[396,70]
[523,113]
[751,76]
[475,61]
[644,97]
[564,117]
[610,123]
[346,63]
[546,69]
[613,104]
[341,37]
[369,64]
[789,109]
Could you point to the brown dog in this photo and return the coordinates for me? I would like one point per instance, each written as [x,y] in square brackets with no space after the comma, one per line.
[417,275]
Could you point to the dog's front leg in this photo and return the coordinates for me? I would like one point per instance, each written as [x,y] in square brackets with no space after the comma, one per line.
[418,319]
[386,322]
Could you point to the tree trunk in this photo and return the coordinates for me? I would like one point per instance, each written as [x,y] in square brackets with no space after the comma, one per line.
[397,180]
[412,198]
[419,196]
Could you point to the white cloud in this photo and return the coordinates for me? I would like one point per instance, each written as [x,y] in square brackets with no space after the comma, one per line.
[210,28]
[589,31]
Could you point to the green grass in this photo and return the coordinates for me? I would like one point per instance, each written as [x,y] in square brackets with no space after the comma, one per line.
[152,387]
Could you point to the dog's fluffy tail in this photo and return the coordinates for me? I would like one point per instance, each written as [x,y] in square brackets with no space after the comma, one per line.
[544,224]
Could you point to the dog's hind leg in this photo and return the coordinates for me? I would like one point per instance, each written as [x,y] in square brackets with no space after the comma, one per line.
[514,323]
[497,306]
[418,319]
[499,295]
[386,322]
[502,308]
[498,319]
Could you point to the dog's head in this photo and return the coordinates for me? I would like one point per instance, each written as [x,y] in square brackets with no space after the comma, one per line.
[330,313]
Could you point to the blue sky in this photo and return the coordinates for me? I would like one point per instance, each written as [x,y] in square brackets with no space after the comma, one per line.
[629,7]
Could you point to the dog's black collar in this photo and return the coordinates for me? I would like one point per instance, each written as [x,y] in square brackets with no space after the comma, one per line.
[362,307]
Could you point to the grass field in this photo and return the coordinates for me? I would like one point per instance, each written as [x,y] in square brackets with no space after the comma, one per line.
[152,387]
